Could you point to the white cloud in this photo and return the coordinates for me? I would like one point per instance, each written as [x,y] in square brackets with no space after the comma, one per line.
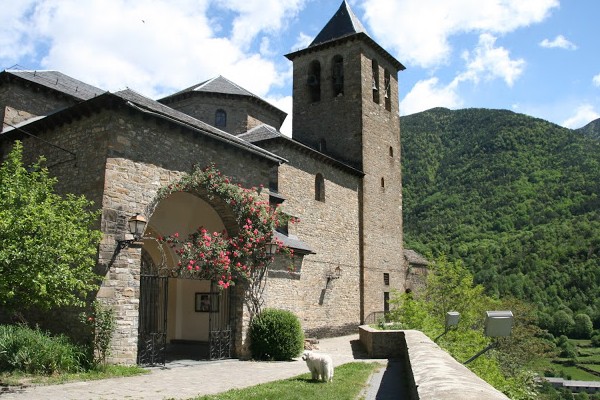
[15,31]
[153,47]
[255,16]
[560,42]
[489,62]
[419,31]
[584,114]
[596,80]
[429,93]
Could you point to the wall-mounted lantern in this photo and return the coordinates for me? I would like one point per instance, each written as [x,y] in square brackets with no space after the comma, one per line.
[137,225]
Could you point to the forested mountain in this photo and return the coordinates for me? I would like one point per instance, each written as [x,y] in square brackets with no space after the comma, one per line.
[517,198]
[592,129]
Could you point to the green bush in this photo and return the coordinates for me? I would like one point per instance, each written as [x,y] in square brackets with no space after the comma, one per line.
[36,352]
[276,335]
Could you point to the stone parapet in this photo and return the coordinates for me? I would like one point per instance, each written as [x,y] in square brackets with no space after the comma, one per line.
[433,373]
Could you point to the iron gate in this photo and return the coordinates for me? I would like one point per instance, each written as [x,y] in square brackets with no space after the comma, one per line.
[152,338]
[220,334]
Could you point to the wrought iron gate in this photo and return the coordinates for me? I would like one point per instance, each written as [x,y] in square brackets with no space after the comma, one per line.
[152,338]
[220,335]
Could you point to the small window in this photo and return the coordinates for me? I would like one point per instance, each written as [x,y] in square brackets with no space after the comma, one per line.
[382,183]
[375,83]
[338,75]
[319,188]
[313,80]
[220,118]
[386,279]
[391,151]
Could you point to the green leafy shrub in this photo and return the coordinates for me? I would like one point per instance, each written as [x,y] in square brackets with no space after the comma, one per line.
[101,322]
[36,352]
[276,335]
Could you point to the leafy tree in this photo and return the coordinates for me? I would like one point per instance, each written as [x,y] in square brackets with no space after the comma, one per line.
[47,249]
[583,327]
[450,287]
[562,323]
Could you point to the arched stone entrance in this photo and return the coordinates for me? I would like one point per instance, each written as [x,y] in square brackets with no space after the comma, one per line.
[182,317]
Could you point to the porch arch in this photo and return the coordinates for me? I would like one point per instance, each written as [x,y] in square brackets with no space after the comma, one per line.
[187,328]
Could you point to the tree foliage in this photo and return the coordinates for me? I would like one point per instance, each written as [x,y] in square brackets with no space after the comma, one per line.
[516,198]
[450,287]
[47,246]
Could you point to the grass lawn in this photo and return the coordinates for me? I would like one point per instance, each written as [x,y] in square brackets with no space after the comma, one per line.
[109,371]
[348,382]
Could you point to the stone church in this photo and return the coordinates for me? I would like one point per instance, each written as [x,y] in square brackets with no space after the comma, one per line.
[339,174]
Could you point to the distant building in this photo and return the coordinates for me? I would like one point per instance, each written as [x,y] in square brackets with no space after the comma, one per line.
[339,173]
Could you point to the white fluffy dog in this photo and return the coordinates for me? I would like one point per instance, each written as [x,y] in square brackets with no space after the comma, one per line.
[320,365]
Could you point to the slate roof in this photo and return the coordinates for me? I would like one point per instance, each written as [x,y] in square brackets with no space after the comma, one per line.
[344,26]
[265,132]
[293,242]
[343,23]
[58,81]
[221,85]
[415,258]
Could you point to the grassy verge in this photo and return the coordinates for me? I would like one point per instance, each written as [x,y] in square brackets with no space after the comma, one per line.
[588,358]
[109,371]
[349,380]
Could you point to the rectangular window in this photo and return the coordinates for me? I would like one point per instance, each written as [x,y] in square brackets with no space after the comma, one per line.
[386,279]
[386,302]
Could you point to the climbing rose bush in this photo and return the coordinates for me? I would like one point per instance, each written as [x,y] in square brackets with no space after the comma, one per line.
[218,256]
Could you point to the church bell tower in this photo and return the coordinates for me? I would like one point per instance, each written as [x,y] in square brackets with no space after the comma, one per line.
[345,105]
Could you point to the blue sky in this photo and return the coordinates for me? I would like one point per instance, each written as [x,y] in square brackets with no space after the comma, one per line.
[538,57]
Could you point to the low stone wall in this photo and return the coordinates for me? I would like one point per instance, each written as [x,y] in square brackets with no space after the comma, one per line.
[434,374]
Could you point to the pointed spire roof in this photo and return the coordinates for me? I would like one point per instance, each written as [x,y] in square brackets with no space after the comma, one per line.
[342,27]
[343,23]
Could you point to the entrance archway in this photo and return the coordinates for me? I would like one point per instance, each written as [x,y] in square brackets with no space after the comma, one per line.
[181,317]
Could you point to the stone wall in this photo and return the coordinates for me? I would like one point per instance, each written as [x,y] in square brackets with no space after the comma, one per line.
[326,307]
[18,97]
[382,186]
[243,114]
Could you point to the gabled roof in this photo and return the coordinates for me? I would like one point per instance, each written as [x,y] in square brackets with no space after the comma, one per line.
[57,81]
[343,23]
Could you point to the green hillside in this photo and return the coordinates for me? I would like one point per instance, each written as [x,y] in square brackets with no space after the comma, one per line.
[517,198]
[591,130]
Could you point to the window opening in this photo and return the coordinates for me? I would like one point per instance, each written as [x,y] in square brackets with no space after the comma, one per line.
[314,81]
[319,188]
[388,94]
[375,84]
[386,302]
[322,145]
[338,75]
[391,151]
[382,182]
[386,279]
[220,118]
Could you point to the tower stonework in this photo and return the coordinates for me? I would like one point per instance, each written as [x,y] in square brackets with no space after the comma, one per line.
[346,106]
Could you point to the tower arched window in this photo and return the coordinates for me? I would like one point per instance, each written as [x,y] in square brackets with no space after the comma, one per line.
[319,187]
[220,118]
[313,80]
[337,75]
[375,83]
[387,88]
